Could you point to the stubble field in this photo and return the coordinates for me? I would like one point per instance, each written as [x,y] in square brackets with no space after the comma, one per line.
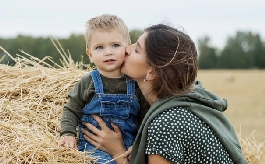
[32,97]
[245,93]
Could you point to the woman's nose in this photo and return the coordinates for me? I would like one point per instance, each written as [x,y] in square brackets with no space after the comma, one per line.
[128,50]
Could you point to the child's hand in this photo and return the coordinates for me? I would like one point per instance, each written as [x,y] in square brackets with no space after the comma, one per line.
[68,142]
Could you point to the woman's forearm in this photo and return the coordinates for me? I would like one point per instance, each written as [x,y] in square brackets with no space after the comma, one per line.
[121,159]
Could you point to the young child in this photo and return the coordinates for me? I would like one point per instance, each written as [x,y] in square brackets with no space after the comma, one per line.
[104,91]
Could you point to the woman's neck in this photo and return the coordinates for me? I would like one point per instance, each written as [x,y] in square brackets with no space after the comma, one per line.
[145,87]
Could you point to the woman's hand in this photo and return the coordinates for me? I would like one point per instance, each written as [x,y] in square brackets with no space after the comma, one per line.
[105,139]
[127,154]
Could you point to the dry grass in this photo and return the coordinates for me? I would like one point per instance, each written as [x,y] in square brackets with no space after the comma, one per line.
[245,92]
[31,100]
[32,95]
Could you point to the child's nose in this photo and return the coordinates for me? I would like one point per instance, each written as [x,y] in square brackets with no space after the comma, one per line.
[108,51]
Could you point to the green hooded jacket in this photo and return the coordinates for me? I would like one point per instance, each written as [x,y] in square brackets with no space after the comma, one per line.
[205,105]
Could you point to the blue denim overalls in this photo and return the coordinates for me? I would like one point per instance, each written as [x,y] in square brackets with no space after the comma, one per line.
[121,109]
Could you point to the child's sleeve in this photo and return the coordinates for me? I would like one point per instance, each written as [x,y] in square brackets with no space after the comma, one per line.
[72,110]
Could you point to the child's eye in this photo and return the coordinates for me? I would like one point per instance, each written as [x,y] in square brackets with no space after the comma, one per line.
[99,47]
[136,50]
[116,45]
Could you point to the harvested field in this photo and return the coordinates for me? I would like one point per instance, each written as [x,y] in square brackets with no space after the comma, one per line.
[245,92]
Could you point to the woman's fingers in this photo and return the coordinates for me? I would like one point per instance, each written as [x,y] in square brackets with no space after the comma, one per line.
[91,136]
[94,139]
[128,153]
[116,128]
[105,139]
[91,127]
[101,122]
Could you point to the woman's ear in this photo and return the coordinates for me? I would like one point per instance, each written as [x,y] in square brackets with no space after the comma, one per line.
[151,75]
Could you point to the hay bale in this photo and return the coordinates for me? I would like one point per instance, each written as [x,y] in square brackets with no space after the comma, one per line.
[32,96]
[253,151]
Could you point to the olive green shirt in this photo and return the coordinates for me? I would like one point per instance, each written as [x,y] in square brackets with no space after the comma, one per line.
[83,92]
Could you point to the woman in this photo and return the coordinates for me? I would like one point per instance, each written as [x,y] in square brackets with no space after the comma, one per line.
[185,123]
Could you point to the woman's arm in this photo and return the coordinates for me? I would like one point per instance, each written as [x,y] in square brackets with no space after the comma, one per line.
[155,158]
[106,139]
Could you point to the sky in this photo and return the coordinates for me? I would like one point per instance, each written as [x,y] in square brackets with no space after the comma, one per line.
[217,19]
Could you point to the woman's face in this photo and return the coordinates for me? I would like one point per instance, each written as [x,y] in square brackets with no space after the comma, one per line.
[135,64]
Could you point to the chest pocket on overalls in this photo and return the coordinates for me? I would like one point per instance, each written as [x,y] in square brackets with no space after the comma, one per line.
[118,108]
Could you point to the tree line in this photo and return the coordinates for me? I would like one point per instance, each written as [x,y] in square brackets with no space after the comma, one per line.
[244,50]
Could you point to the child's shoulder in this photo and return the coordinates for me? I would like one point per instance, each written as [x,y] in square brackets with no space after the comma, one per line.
[87,77]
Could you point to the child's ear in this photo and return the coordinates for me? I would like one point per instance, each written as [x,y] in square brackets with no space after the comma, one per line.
[89,55]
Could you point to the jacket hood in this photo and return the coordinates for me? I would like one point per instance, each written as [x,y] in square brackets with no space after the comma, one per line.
[204,97]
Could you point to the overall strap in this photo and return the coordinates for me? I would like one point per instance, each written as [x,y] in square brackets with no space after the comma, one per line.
[130,86]
[97,81]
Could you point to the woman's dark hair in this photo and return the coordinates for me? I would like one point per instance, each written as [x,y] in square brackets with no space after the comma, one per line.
[174,57]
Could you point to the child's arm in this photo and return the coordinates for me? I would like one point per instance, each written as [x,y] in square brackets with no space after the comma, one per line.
[72,111]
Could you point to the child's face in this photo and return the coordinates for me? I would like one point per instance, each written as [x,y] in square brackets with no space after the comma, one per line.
[107,51]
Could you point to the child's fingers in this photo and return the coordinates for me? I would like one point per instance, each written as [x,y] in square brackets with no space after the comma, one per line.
[61,142]
[71,145]
[67,144]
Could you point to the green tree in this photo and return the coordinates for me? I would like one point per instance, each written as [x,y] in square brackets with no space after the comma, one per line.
[239,51]
[244,50]
[207,54]
[259,53]
[134,34]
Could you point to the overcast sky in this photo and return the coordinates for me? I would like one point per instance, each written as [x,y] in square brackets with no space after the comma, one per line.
[59,18]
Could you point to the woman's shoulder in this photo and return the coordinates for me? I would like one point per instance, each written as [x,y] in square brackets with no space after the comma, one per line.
[176,113]
[178,119]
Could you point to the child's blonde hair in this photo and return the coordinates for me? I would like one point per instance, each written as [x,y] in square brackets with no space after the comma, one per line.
[106,22]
